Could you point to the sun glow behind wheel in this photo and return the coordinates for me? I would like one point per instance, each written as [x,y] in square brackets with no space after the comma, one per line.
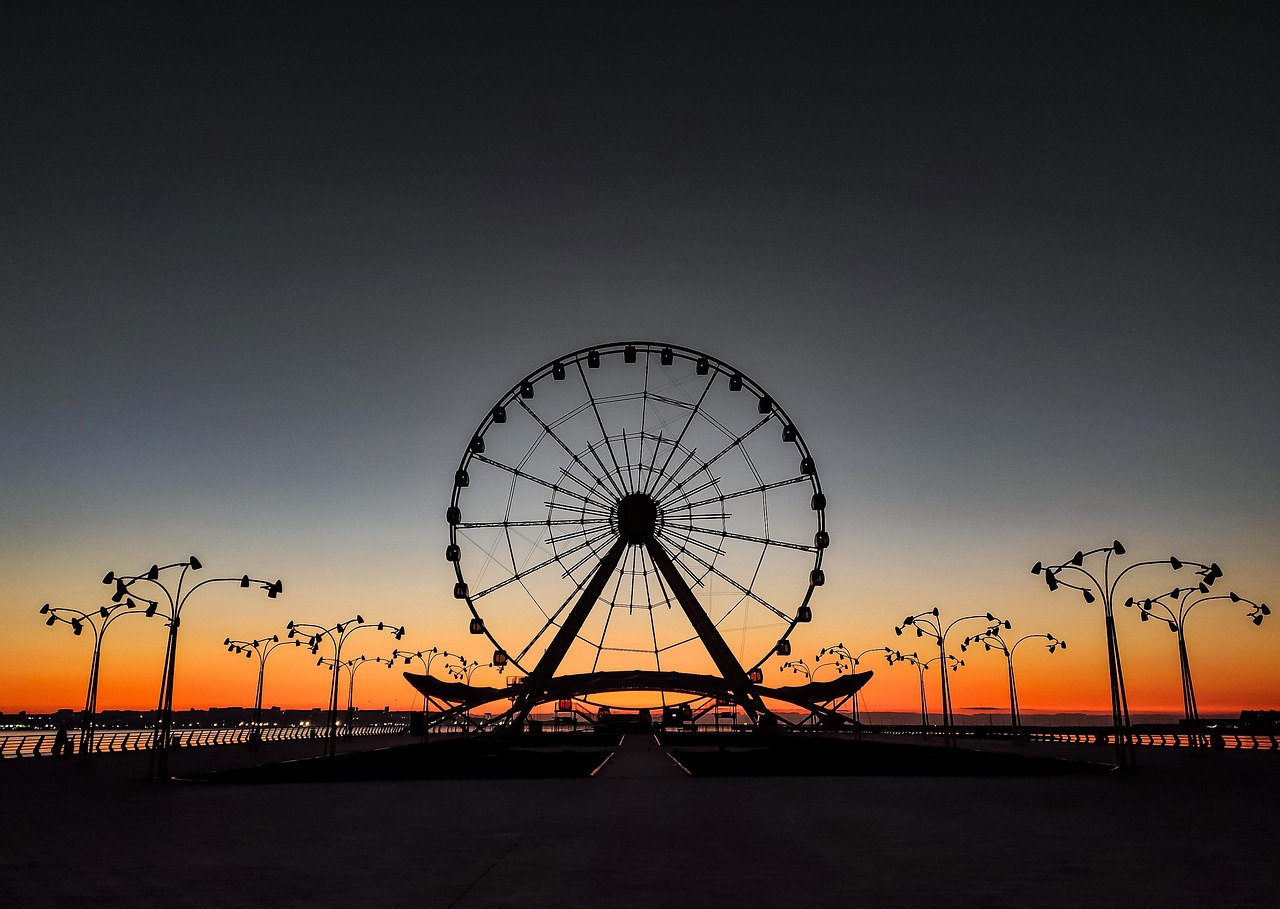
[647,442]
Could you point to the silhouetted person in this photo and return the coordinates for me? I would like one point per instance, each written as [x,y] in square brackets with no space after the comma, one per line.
[61,742]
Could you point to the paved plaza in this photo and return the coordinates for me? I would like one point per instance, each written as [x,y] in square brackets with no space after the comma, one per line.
[1183,830]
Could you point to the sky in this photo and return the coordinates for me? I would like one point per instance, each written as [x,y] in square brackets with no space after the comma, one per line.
[1010,268]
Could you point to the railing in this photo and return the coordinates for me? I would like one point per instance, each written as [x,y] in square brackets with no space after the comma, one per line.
[1174,736]
[40,744]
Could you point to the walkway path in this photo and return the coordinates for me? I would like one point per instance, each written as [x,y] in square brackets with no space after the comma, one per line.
[640,756]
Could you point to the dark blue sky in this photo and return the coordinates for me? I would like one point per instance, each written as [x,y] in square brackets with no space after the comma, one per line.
[1012,268]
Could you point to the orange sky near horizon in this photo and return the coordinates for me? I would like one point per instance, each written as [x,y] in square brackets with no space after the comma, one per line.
[46,668]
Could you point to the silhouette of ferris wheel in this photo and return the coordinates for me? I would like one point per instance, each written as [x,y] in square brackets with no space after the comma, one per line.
[636,506]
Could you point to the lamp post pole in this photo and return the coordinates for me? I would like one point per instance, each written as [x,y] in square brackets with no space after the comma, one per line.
[929,623]
[97,622]
[176,597]
[1094,585]
[843,653]
[261,648]
[463,672]
[921,666]
[992,640]
[312,634]
[426,658]
[1173,608]
[352,665]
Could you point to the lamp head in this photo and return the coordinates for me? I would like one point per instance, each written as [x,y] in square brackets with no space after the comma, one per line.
[1078,559]
[1050,580]
[109,577]
[194,563]
[1037,568]
[153,573]
[151,608]
[1116,547]
[45,608]
[1088,596]
[359,619]
[244,581]
[1173,560]
[934,612]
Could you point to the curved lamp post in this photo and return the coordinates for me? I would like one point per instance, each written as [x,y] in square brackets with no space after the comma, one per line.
[426,658]
[929,624]
[97,622]
[337,635]
[1094,585]
[351,666]
[1174,612]
[992,640]
[462,672]
[261,648]
[842,655]
[953,663]
[176,597]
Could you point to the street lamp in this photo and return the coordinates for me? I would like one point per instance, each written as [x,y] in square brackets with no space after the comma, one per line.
[953,663]
[1092,586]
[463,671]
[1175,614]
[992,640]
[337,635]
[351,666]
[928,623]
[176,598]
[262,648]
[426,658]
[844,654]
[98,622]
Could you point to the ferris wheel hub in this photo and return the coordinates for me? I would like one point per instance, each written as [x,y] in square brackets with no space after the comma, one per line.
[637,516]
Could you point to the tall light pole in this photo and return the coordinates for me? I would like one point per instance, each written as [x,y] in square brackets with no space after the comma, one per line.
[992,640]
[426,658]
[844,654]
[175,597]
[1174,607]
[1094,585]
[261,648]
[913,659]
[311,635]
[463,671]
[928,623]
[97,622]
[352,665]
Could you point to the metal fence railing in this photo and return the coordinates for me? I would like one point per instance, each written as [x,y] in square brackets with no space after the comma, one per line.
[1173,736]
[106,741]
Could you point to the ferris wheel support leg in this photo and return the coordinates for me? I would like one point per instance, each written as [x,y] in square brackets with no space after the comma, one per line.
[734,675]
[535,686]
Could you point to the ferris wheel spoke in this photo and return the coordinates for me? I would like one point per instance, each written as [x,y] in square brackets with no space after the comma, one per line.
[578,509]
[551,619]
[693,412]
[603,433]
[686,538]
[567,450]
[763,541]
[750,491]
[569,570]
[736,443]
[525,475]
[742,588]
[471,525]
[524,573]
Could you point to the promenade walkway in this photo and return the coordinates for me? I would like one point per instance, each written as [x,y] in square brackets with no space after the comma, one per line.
[1184,830]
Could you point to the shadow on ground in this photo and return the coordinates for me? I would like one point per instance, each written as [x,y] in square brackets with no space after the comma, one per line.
[579,755]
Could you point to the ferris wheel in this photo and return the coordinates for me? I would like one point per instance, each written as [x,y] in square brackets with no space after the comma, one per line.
[636,508]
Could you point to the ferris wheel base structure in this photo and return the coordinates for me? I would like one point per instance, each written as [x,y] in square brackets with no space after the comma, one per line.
[811,697]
